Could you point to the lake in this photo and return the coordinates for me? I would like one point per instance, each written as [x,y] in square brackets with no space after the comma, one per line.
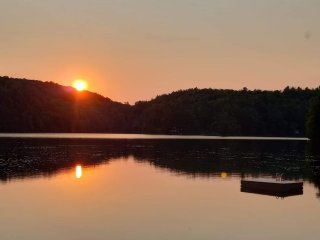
[154,187]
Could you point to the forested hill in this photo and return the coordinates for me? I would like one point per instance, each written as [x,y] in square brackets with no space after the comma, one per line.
[34,106]
[226,112]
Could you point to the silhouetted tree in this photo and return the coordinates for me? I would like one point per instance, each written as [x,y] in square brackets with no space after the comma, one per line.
[313,119]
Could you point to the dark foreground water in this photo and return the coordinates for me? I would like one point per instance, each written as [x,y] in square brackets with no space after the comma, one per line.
[154,189]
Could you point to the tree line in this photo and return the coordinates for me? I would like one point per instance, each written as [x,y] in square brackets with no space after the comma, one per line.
[35,106]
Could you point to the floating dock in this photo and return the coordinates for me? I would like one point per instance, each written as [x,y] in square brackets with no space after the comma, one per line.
[271,187]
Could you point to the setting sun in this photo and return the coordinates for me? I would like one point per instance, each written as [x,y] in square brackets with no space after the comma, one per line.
[80,85]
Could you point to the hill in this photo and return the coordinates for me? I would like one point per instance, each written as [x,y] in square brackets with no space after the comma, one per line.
[226,112]
[35,106]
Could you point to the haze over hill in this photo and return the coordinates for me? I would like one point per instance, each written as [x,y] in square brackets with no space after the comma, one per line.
[35,106]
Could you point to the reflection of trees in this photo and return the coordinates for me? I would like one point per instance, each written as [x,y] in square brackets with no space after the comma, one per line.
[313,160]
[197,158]
[33,157]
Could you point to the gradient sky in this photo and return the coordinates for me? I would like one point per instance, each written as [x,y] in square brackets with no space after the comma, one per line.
[133,50]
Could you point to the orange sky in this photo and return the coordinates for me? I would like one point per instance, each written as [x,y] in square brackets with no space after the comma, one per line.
[133,50]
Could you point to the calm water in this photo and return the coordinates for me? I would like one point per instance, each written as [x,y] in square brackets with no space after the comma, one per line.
[154,189]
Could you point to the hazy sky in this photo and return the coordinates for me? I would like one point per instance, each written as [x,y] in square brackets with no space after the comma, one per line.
[133,50]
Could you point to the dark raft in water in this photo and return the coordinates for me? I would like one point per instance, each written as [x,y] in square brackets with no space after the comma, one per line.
[272,187]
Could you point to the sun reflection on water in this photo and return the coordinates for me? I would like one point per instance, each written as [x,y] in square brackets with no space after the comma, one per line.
[78,171]
[223,174]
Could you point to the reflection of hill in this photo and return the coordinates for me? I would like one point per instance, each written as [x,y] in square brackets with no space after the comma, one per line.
[26,158]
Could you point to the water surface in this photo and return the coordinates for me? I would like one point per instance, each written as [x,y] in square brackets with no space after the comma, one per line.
[154,189]
[139,136]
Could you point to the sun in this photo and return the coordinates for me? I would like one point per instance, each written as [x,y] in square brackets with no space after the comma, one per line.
[80,85]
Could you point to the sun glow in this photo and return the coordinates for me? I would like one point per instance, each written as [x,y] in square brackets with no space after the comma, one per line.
[80,85]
